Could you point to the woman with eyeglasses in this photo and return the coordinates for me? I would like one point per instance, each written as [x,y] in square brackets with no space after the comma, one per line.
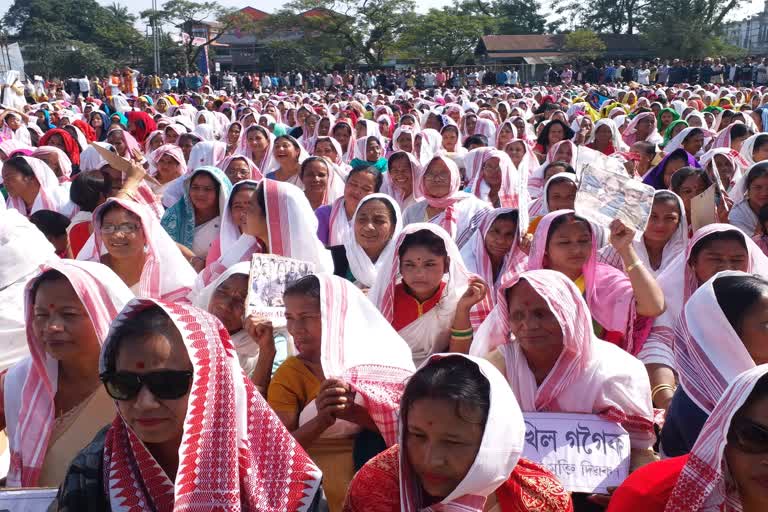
[52,401]
[444,203]
[191,431]
[727,468]
[194,221]
[129,239]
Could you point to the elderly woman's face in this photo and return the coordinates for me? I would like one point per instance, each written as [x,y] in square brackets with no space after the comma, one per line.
[534,325]
[123,236]
[228,302]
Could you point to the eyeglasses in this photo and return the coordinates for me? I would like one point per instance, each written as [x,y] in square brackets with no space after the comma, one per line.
[127,227]
[164,384]
[437,177]
[748,436]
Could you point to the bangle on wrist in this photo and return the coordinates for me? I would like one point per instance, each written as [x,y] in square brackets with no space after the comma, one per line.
[659,388]
[635,264]
[461,333]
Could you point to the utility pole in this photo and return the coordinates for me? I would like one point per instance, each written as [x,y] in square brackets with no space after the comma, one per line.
[155,38]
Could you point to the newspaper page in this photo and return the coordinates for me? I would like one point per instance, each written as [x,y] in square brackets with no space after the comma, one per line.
[269,277]
[605,195]
[27,500]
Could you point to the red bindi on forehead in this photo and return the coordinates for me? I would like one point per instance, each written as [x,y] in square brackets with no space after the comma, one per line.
[140,365]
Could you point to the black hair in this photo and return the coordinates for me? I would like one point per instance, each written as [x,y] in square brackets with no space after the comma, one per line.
[52,224]
[740,130]
[567,218]
[543,138]
[243,185]
[261,198]
[693,133]
[307,286]
[400,155]
[49,275]
[341,124]
[449,126]
[736,294]
[192,136]
[732,235]
[678,154]
[290,139]
[147,322]
[663,196]
[557,181]
[88,188]
[647,148]
[377,176]
[453,379]
[758,392]
[217,185]
[311,159]
[482,140]
[388,204]
[762,216]
[682,174]
[257,127]
[113,205]
[560,163]
[512,216]
[426,239]
[757,171]
[727,114]
[21,165]
[760,141]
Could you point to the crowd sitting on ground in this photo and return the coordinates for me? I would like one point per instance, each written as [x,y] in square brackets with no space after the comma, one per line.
[455,285]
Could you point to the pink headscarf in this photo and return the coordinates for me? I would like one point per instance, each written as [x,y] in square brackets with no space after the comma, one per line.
[235,453]
[448,201]
[131,143]
[256,174]
[65,165]
[267,163]
[510,189]
[608,291]
[50,196]
[389,188]
[103,295]
[174,152]
[166,275]
[630,132]
[704,482]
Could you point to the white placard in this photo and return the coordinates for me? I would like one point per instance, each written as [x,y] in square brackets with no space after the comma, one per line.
[26,500]
[269,277]
[585,452]
[604,195]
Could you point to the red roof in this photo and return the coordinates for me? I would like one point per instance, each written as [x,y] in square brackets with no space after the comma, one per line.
[254,13]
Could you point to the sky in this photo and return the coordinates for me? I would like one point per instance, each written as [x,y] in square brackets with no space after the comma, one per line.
[749,7]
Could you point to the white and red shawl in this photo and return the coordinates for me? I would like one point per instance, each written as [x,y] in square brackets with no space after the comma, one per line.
[51,196]
[235,454]
[30,385]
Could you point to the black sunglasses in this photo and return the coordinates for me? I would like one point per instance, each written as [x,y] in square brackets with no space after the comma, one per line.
[748,436]
[164,384]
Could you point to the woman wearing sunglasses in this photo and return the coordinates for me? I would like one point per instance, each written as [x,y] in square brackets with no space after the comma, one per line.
[52,401]
[727,469]
[191,431]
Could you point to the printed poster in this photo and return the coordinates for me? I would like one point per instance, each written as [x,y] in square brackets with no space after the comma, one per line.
[269,277]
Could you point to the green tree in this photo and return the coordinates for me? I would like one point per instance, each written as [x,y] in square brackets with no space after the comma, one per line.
[614,16]
[584,43]
[508,17]
[686,28]
[187,15]
[443,36]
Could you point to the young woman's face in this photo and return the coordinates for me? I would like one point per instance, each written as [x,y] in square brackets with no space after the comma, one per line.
[725,168]
[286,152]
[442,441]
[506,134]
[324,128]
[233,135]
[228,302]
[569,247]
[500,237]
[304,322]
[239,206]
[405,142]
[186,144]
[671,168]
[746,451]
[561,196]
[694,143]
[257,141]
[155,143]
[450,138]
[760,153]
[603,134]
[753,330]
[534,325]
[154,420]
[556,134]
[325,149]
[691,187]
[400,174]
[422,271]
[61,323]
[374,227]
[127,239]
[97,121]
[516,151]
[663,221]
[315,177]
[357,187]
[437,179]
[718,256]
[168,167]
[238,170]
[564,153]
[342,134]
[492,172]
[758,192]
[372,150]
[202,192]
